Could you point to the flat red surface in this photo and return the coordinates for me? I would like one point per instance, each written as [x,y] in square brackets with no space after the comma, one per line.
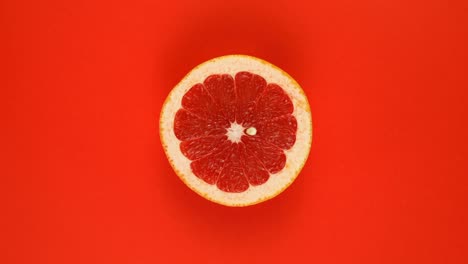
[84,178]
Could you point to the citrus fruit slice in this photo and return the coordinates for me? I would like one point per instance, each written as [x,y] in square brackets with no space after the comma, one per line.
[237,130]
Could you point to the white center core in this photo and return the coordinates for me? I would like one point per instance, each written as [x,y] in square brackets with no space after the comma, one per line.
[235,132]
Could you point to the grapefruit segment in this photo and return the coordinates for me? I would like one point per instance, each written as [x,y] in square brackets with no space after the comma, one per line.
[189,126]
[221,89]
[237,130]
[273,103]
[232,177]
[272,157]
[198,101]
[255,172]
[200,147]
[209,168]
[249,88]
[280,131]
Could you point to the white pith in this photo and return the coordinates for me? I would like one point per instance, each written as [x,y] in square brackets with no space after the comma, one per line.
[295,156]
[235,132]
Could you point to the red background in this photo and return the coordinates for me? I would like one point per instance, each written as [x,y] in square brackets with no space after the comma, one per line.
[85,179]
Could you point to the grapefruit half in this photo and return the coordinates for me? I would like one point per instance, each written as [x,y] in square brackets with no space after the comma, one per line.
[237,130]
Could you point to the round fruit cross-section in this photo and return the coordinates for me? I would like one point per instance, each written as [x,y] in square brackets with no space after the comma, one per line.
[237,130]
